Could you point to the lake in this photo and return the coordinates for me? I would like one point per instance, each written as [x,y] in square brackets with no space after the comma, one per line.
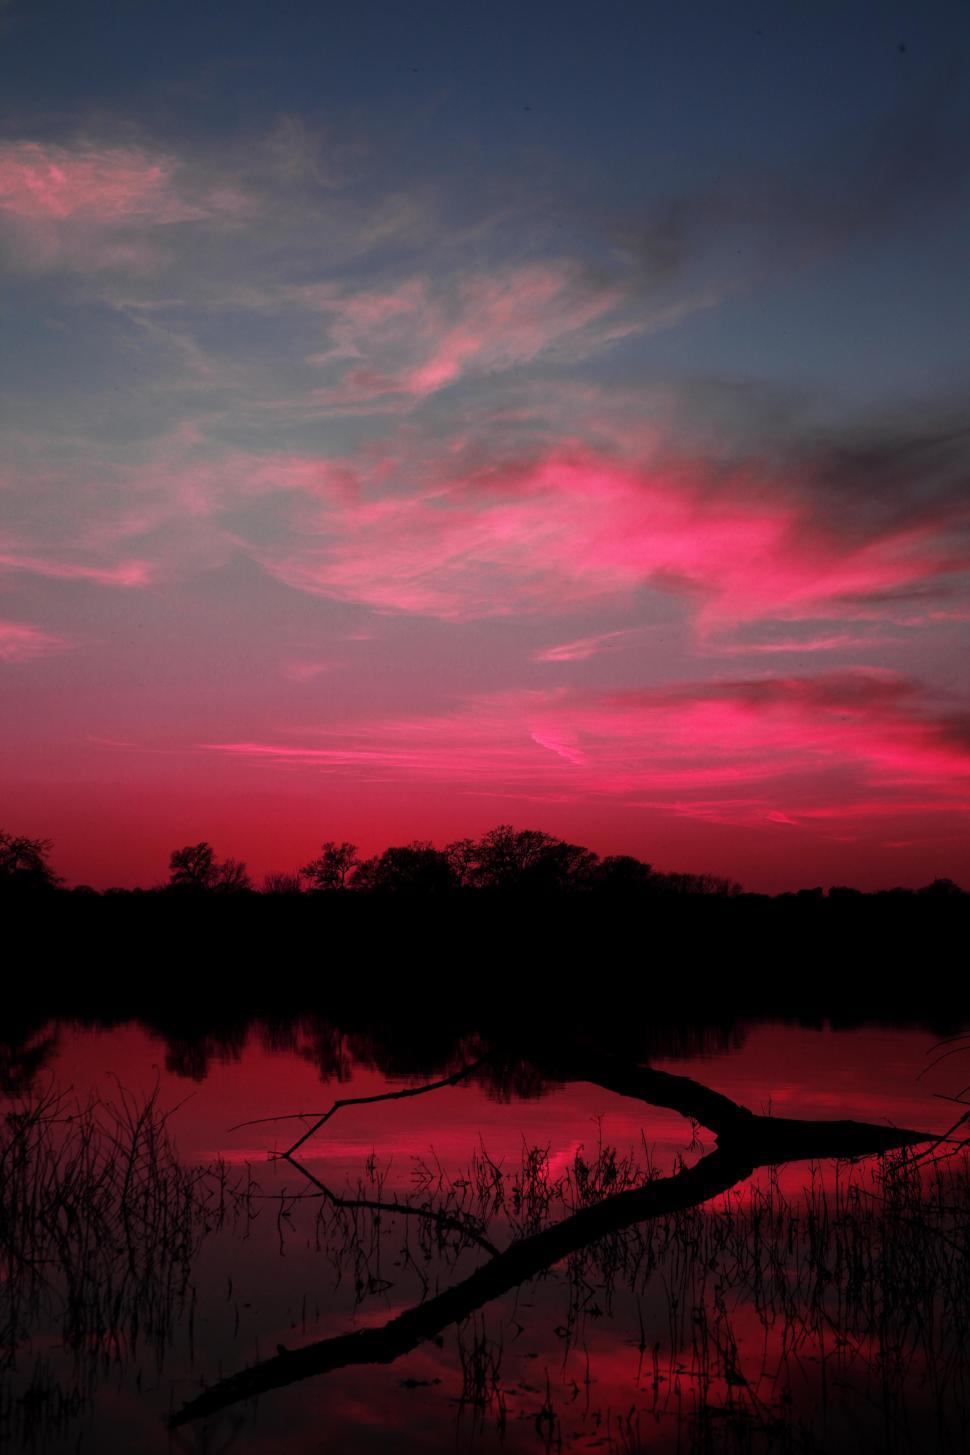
[154,1242]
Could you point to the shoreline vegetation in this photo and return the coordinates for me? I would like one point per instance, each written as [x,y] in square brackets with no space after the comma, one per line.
[525,926]
[524,863]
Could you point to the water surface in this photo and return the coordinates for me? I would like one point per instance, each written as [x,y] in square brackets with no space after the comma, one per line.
[764,1320]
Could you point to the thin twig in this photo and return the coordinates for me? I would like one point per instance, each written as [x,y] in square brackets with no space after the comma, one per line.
[386,1096]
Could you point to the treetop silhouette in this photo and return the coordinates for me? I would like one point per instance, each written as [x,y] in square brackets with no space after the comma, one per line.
[522,862]
[195,867]
[23,863]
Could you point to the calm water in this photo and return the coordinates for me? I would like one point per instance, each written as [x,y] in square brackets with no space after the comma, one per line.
[773,1318]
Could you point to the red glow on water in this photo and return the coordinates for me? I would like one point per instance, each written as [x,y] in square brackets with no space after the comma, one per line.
[868,1074]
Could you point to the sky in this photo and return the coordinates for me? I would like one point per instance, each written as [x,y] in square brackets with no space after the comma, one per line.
[422,417]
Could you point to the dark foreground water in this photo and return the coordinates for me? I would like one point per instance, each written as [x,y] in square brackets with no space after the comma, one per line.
[151,1246]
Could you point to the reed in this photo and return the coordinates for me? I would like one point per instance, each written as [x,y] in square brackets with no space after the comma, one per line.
[100,1227]
[767,1319]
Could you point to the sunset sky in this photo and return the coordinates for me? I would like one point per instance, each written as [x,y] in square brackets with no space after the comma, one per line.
[421,417]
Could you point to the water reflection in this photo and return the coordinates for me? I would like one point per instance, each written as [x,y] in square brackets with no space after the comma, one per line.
[524,1280]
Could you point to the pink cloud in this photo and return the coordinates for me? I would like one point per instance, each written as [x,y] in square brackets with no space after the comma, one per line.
[760,752]
[453,538]
[122,573]
[42,183]
[84,204]
[786,646]
[566,750]
[415,338]
[20,642]
[342,757]
[299,669]
[444,530]
[584,647]
[873,719]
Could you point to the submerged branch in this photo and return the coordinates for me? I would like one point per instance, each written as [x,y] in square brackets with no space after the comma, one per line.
[745,1141]
[768,1139]
[524,1259]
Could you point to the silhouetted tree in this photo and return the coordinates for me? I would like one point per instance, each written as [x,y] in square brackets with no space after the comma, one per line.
[281,884]
[504,854]
[526,861]
[23,863]
[696,884]
[509,858]
[559,865]
[192,867]
[621,872]
[417,867]
[941,889]
[462,856]
[333,868]
[195,867]
[231,877]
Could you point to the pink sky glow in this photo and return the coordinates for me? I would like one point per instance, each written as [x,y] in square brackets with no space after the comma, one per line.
[416,533]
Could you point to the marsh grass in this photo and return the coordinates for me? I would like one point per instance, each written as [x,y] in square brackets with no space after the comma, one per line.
[831,1317]
[827,1318]
[100,1226]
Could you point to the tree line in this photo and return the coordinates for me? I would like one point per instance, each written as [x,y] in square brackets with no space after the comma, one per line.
[504,858]
[526,861]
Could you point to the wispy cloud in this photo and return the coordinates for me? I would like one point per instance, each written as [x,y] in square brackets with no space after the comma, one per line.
[758,751]
[300,669]
[94,207]
[493,539]
[121,573]
[569,751]
[465,524]
[420,336]
[20,642]
[583,648]
[798,645]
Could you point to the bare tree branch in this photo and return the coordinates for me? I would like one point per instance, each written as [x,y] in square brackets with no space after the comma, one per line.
[406,1091]
[745,1141]
[522,1260]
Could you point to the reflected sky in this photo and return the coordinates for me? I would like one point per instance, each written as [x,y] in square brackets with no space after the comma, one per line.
[593,1355]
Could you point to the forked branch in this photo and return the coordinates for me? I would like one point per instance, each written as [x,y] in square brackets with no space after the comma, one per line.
[745,1141]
